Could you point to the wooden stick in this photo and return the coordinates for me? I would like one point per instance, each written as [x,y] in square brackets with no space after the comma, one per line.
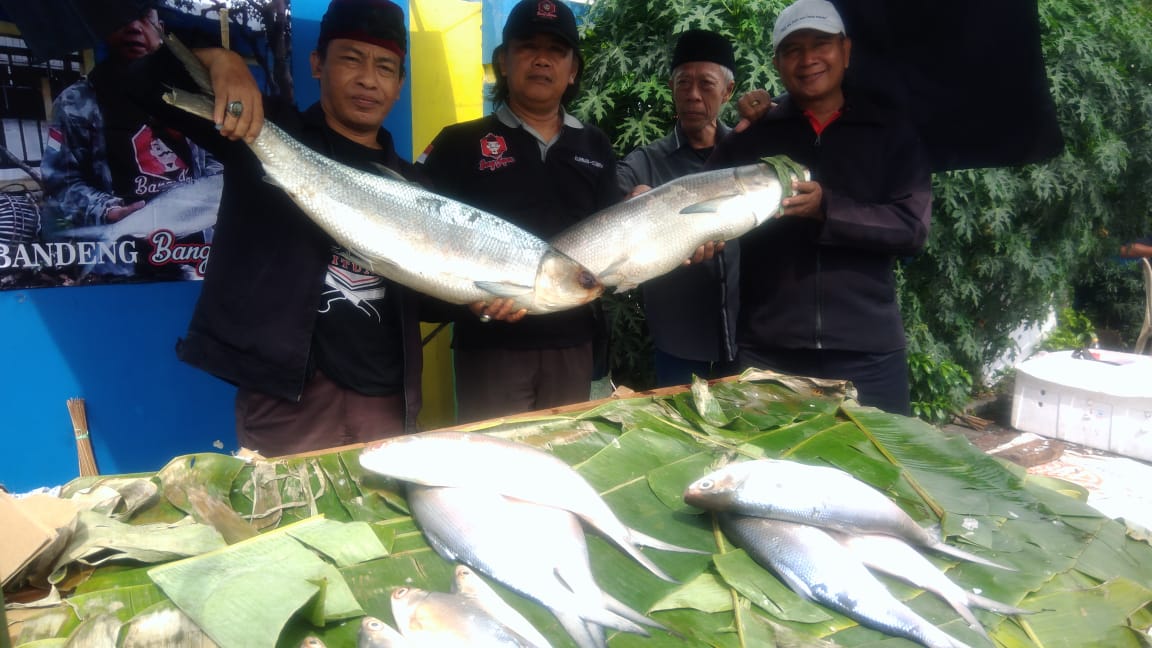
[83,443]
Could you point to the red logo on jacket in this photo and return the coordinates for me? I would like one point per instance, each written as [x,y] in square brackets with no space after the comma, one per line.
[493,147]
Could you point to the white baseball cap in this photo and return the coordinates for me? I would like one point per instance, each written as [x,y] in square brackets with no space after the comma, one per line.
[819,15]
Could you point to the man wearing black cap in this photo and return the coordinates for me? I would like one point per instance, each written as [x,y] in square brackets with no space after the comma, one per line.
[535,165]
[323,352]
[691,311]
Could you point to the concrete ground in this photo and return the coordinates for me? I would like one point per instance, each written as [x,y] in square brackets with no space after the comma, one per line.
[1118,487]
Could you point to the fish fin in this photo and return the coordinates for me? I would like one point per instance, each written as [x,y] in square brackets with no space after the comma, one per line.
[622,288]
[503,289]
[995,606]
[361,261]
[710,206]
[623,610]
[955,552]
[645,540]
[390,173]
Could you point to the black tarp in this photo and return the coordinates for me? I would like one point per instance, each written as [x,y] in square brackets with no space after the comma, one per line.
[970,72]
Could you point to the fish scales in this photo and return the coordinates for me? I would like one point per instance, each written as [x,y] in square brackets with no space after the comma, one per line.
[466,582]
[426,241]
[815,565]
[819,495]
[474,460]
[546,559]
[415,237]
[442,620]
[653,233]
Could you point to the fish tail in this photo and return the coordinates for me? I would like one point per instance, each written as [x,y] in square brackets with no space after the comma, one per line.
[586,635]
[634,551]
[196,69]
[645,540]
[995,606]
[969,618]
[955,552]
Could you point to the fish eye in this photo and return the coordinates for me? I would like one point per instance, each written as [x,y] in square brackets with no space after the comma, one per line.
[705,484]
[399,591]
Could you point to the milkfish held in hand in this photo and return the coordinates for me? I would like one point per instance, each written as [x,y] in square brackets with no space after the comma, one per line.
[466,582]
[653,233]
[398,230]
[481,461]
[816,566]
[818,495]
[536,550]
[441,620]
[893,556]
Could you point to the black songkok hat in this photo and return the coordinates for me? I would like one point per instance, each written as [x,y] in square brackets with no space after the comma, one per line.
[378,22]
[702,45]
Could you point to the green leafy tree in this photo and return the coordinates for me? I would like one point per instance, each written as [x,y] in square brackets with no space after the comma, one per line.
[1007,244]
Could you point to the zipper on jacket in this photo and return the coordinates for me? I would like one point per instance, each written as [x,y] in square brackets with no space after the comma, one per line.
[819,302]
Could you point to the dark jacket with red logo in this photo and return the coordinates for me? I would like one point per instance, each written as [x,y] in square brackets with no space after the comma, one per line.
[807,284]
[253,324]
[495,165]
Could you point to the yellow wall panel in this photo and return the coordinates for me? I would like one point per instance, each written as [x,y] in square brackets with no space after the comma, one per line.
[446,76]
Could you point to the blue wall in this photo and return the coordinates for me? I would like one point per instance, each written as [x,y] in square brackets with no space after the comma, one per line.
[113,346]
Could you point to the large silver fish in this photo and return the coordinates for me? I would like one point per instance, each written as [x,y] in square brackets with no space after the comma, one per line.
[653,233]
[374,633]
[481,461]
[895,557]
[185,209]
[420,239]
[442,620]
[819,495]
[466,582]
[538,551]
[814,565]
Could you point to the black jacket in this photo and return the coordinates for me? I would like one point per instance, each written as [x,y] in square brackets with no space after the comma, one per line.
[807,284]
[496,167]
[253,324]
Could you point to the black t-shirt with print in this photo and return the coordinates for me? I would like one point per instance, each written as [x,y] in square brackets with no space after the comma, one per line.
[357,341]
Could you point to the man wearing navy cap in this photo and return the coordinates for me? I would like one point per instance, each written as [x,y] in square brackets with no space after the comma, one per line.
[691,311]
[818,286]
[323,352]
[535,165]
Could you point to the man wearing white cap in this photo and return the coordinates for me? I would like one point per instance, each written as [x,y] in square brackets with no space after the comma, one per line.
[818,290]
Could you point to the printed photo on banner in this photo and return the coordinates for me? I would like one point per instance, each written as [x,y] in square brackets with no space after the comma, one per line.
[92,189]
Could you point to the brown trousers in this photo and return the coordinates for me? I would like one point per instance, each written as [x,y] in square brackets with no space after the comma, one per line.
[499,382]
[327,416]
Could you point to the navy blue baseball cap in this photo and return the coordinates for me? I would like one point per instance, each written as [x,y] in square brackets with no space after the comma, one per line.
[531,17]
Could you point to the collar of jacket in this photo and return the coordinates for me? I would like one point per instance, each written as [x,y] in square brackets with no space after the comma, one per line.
[857,108]
[314,119]
[681,140]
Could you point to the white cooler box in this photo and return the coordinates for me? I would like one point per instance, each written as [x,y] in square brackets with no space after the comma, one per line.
[1104,405]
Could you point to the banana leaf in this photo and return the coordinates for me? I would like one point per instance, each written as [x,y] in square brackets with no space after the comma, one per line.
[1087,579]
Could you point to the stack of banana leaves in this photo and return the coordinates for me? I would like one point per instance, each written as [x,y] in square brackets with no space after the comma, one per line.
[341,549]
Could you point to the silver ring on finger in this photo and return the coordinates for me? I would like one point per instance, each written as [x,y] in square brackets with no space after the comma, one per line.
[235,108]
